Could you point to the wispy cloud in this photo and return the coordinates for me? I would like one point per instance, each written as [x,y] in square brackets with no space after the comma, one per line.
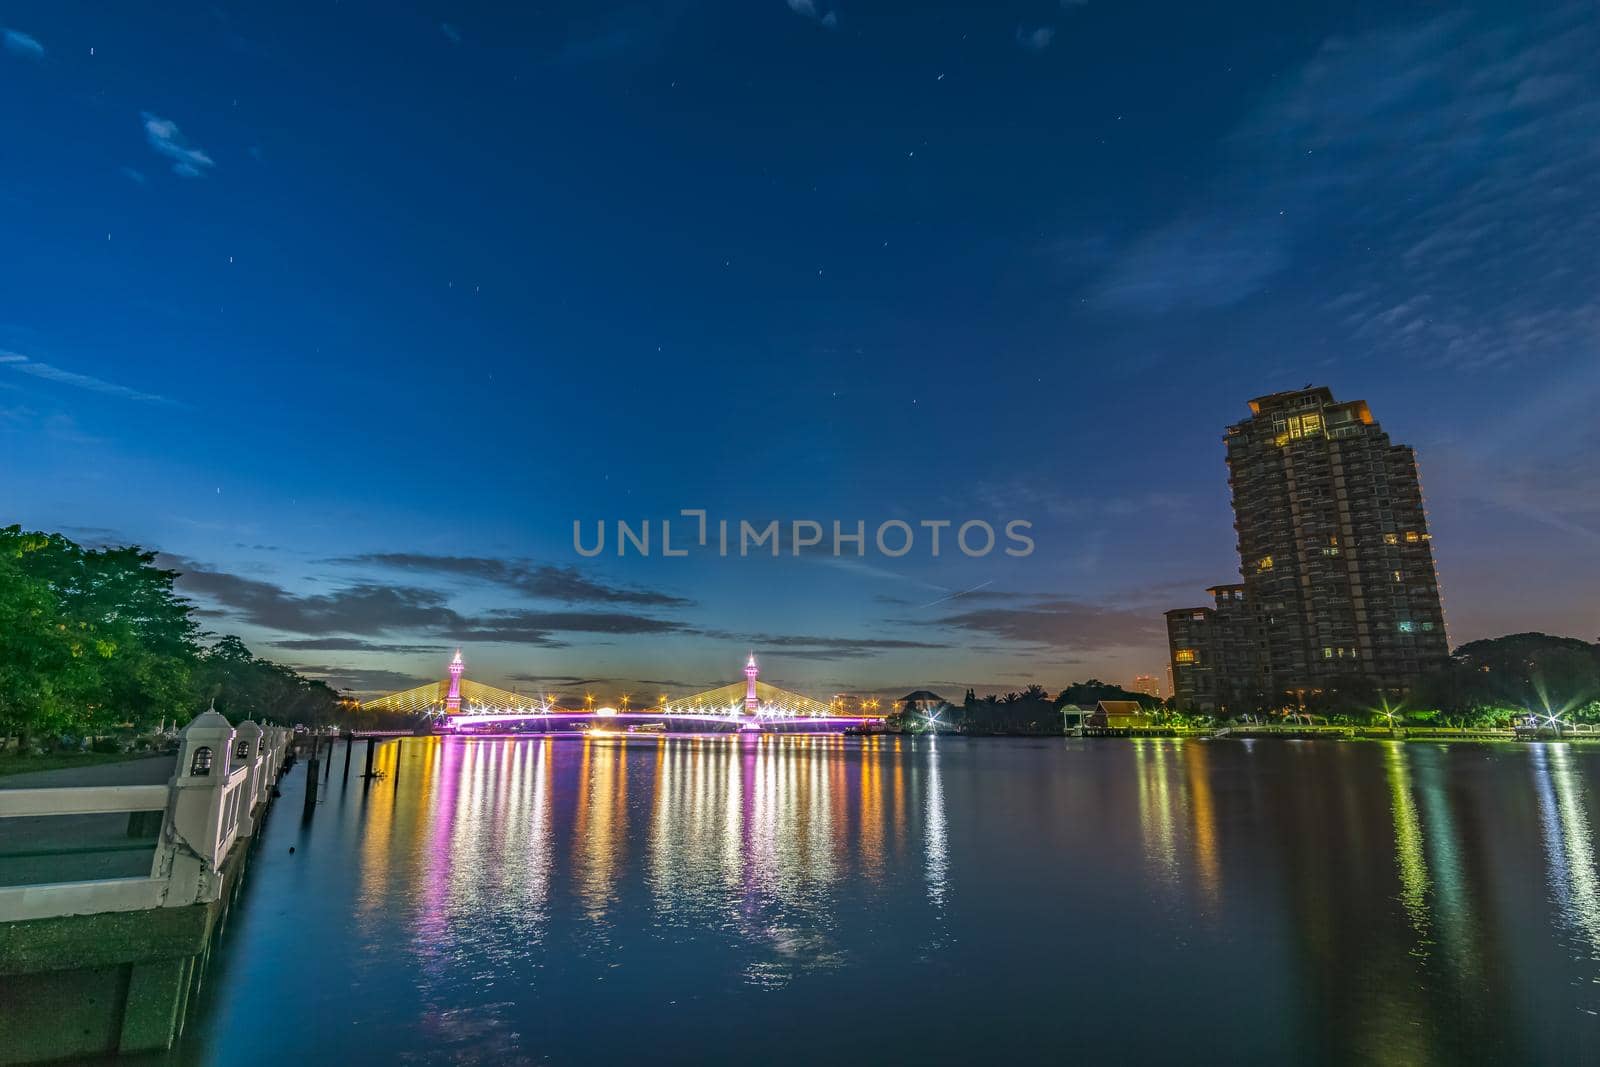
[558,681]
[22,364]
[1487,125]
[352,644]
[371,609]
[1061,623]
[813,647]
[361,681]
[164,136]
[365,609]
[22,44]
[809,9]
[135,176]
[1036,40]
[539,627]
[542,581]
[1037,495]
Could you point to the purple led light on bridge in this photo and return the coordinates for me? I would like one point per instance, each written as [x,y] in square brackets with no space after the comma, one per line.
[758,705]
[452,701]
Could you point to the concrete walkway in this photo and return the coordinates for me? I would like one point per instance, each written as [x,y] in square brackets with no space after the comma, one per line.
[140,770]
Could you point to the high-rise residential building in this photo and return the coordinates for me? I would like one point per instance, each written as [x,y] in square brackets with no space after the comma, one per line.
[1340,591]
[1147,684]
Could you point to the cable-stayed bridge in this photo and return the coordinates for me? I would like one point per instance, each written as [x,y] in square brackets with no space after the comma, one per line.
[748,705]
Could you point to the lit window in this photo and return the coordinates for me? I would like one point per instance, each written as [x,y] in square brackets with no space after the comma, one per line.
[1185,655]
[1391,539]
[1198,616]
[1408,627]
[1397,576]
[1412,537]
[1327,653]
[1264,563]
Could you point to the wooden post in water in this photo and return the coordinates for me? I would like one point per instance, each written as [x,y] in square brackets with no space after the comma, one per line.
[349,743]
[311,781]
[397,743]
[369,758]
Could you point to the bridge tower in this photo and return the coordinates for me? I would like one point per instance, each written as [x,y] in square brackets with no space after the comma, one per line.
[452,701]
[751,701]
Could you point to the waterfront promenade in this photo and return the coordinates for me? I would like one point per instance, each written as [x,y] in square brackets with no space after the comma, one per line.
[113,881]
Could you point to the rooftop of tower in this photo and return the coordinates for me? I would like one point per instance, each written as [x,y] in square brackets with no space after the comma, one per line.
[1311,395]
[1318,397]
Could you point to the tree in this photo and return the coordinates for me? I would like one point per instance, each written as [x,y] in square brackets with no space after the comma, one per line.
[92,639]
[49,669]
[1093,691]
[130,637]
[1492,680]
[241,687]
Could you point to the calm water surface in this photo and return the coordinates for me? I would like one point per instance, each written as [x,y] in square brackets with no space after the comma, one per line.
[795,899]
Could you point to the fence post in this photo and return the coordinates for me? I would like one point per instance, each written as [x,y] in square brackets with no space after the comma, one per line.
[194,826]
[247,751]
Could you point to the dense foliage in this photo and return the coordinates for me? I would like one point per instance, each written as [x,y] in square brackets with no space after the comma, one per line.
[1494,682]
[1031,711]
[96,639]
[1501,679]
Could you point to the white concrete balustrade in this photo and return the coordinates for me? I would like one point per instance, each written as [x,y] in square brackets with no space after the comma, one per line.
[220,786]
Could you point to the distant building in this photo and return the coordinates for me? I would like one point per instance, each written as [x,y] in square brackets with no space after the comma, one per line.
[1074,717]
[1146,684]
[1106,715]
[921,701]
[1339,589]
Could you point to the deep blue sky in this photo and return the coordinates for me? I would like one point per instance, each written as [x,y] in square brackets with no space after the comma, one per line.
[353,309]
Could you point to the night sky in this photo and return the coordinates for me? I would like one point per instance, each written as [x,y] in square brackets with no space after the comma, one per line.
[352,310]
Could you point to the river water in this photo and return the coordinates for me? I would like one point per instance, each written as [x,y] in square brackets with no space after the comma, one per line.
[804,899]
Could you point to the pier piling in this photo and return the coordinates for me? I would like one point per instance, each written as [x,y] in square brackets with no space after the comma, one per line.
[312,767]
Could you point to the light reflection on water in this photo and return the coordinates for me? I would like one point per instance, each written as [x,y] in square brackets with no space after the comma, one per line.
[1574,885]
[551,899]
